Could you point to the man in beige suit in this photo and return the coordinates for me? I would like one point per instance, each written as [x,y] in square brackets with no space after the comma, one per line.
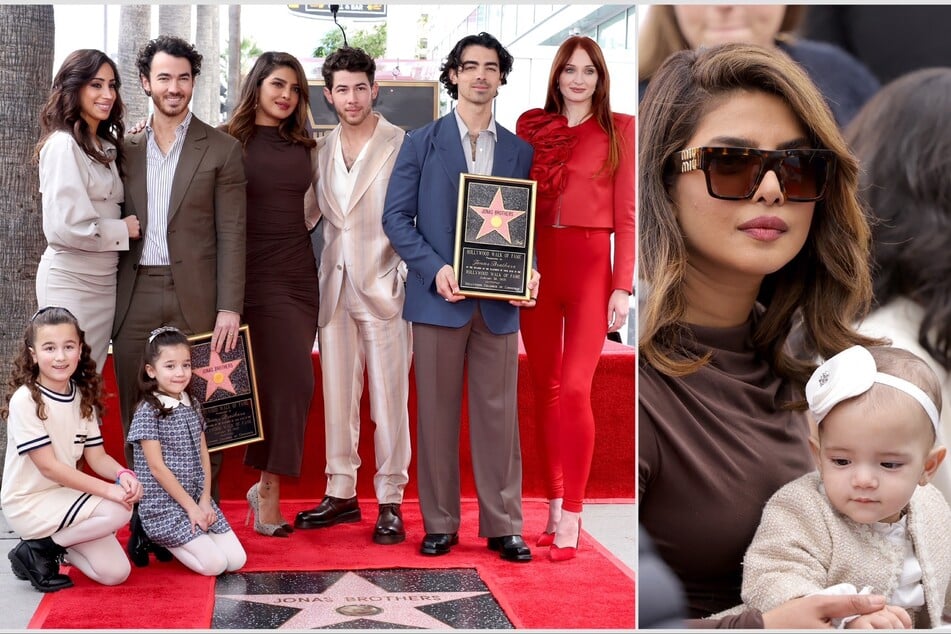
[361,301]
[185,182]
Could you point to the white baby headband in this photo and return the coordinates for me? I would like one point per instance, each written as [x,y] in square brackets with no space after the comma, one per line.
[850,373]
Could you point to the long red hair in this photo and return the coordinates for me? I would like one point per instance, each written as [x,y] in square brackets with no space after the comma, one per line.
[600,100]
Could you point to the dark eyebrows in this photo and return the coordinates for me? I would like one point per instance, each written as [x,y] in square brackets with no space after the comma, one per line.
[470,63]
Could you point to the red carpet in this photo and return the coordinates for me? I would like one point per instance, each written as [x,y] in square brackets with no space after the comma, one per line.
[593,591]
[612,472]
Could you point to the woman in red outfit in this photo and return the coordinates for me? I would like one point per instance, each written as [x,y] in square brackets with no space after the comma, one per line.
[584,165]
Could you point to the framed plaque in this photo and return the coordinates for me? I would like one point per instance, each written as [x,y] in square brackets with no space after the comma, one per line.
[495,236]
[223,385]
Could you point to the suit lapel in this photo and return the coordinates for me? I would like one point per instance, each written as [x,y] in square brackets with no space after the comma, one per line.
[325,166]
[136,177]
[448,144]
[193,149]
[503,164]
[379,149]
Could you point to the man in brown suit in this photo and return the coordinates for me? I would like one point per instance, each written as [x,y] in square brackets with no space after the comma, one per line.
[185,182]
[361,302]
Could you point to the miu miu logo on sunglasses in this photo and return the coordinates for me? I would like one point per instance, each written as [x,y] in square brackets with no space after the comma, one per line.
[689,160]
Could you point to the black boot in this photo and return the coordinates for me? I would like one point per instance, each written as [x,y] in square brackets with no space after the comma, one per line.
[139,542]
[38,561]
[161,552]
[140,545]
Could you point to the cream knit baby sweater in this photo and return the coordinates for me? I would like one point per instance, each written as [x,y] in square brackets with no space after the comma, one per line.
[804,545]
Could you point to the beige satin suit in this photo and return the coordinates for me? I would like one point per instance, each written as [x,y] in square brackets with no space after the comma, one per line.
[360,321]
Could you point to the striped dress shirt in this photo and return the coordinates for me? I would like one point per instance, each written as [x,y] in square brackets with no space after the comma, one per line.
[159,175]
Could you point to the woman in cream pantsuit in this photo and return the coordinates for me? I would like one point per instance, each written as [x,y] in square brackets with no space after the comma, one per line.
[80,162]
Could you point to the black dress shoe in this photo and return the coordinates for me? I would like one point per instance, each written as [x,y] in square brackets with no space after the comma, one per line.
[438,543]
[139,543]
[389,525]
[511,547]
[37,560]
[330,511]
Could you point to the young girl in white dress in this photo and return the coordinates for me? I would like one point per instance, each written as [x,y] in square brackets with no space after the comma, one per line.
[52,417]
[170,453]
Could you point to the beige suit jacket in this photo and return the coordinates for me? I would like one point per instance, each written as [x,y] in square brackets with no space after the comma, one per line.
[353,237]
[206,225]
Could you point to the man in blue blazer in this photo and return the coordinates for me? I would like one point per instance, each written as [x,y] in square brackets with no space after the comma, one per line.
[450,331]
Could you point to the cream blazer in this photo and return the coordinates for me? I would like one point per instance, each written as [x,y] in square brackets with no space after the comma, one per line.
[81,199]
[803,545]
[353,238]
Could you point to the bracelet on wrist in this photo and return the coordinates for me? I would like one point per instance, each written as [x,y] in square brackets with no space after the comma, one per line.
[121,471]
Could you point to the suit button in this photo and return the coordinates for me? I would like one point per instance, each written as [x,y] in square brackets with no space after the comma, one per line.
[339,268]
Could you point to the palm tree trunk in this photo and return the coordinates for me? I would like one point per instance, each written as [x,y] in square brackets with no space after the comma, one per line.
[234,58]
[205,103]
[175,19]
[26,72]
[135,25]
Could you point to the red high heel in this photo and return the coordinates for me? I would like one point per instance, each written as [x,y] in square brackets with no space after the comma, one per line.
[558,553]
[545,539]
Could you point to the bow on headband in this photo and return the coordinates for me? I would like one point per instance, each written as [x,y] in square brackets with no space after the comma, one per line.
[850,373]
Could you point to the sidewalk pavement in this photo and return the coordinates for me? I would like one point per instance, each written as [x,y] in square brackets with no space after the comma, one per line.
[611,524]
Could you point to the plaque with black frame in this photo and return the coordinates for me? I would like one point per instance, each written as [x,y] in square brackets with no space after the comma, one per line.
[495,236]
[224,387]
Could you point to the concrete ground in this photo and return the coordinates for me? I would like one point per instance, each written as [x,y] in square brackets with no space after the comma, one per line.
[613,525]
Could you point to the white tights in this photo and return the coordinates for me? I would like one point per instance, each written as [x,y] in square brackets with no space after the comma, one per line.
[91,545]
[212,553]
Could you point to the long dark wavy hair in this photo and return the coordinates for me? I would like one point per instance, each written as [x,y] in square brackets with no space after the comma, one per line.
[294,127]
[63,111]
[26,371]
[906,184]
[600,100]
[158,339]
[827,285]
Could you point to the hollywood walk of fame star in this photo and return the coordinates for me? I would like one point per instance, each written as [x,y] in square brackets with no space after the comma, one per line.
[353,597]
[496,217]
[217,374]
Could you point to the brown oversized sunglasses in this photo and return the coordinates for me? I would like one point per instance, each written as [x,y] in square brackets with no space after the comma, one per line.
[735,173]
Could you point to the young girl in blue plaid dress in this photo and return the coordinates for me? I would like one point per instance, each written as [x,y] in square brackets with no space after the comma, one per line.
[171,457]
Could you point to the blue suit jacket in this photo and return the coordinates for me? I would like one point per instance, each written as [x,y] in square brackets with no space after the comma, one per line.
[419,218]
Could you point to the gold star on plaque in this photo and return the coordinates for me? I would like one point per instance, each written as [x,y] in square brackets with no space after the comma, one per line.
[496,217]
[217,374]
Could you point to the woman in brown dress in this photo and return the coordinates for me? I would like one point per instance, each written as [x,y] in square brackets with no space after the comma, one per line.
[280,300]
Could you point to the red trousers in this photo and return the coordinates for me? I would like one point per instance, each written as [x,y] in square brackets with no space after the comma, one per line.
[564,335]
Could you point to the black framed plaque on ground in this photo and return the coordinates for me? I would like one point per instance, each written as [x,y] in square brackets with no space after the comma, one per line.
[223,385]
[495,236]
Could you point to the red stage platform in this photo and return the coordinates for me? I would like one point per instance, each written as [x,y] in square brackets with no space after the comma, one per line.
[612,474]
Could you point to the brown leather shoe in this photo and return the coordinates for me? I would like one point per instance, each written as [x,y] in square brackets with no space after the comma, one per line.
[330,511]
[389,525]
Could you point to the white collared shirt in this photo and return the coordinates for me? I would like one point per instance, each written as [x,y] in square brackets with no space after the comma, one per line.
[172,402]
[485,146]
[160,173]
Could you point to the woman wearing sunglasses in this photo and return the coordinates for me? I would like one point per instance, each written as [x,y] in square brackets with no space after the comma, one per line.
[748,224]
